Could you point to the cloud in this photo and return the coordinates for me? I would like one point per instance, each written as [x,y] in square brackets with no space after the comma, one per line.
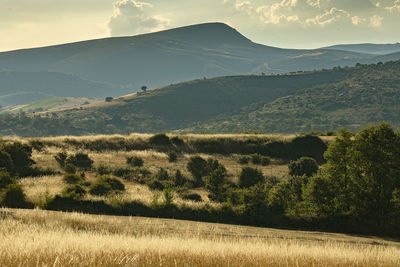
[356,20]
[395,7]
[133,17]
[375,21]
[328,17]
[245,6]
[278,12]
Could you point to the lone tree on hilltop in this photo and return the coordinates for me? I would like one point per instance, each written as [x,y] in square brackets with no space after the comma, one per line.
[144,88]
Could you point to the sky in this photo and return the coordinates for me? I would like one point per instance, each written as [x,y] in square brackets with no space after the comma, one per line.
[281,23]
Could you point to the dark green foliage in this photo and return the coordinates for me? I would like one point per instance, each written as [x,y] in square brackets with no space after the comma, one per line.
[216,184]
[37,145]
[134,161]
[160,139]
[172,156]
[103,170]
[81,161]
[265,160]
[6,163]
[308,146]
[21,156]
[74,191]
[6,180]
[69,168]
[192,196]
[303,166]
[168,196]
[61,158]
[243,160]
[255,159]
[179,179]
[14,197]
[250,176]
[177,141]
[72,178]
[155,184]
[105,185]
[197,166]
[161,175]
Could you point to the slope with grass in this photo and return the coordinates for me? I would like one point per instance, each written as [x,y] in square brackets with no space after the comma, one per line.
[32,238]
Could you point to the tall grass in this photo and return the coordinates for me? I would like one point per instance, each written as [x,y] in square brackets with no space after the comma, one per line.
[40,238]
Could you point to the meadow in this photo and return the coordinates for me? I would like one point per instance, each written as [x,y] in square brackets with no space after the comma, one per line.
[48,238]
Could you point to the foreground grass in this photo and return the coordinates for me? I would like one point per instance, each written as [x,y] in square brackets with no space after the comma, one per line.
[44,238]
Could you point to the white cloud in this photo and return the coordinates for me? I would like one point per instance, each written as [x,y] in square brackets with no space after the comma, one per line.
[356,20]
[279,12]
[375,21]
[314,3]
[395,7]
[133,17]
[328,17]
[245,6]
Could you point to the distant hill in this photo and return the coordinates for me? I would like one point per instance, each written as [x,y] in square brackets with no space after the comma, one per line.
[378,49]
[304,101]
[117,66]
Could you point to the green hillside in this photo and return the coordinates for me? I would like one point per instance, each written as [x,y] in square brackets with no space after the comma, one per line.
[304,101]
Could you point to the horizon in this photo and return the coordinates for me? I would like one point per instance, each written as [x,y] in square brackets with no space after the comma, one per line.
[296,24]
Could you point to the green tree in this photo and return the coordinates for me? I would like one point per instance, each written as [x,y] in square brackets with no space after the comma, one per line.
[250,176]
[303,166]
[215,184]
[197,166]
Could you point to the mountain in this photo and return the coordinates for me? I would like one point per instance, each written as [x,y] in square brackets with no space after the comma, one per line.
[123,64]
[378,49]
[289,103]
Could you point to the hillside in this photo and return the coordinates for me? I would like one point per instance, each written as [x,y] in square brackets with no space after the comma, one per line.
[378,49]
[121,65]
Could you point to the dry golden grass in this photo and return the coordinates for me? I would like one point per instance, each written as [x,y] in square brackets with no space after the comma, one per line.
[44,238]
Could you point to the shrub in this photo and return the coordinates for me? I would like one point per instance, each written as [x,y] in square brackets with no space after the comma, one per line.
[172,156]
[215,184]
[21,156]
[72,178]
[155,185]
[6,180]
[197,167]
[168,196]
[250,176]
[134,161]
[106,185]
[6,162]
[103,170]
[75,191]
[177,141]
[160,139]
[14,197]
[179,179]
[243,160]
[256,159]
[81,161]
[61,157]
[303,166]
[69,168]
[265,160]
[193,197]
[161,175]
[37,145]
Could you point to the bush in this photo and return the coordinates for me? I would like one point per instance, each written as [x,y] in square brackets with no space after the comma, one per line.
[177,141]
[72,178]
[6,180]
[168,196]
[303,166]
[6,162]
[106,185]
[155,185]
[197,167]
[161,175]
[103,170]
[21,156]
[243,160]
[172,156]
[14,197]
[193,197]
[215,184]
[265,160]
[256,159]
[134,161]
[81,161]
[75,191]
[250,176]
[61,158]
[69,168]
[179,179]
[160,139]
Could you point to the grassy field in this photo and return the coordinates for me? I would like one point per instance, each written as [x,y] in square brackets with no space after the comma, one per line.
[45,238]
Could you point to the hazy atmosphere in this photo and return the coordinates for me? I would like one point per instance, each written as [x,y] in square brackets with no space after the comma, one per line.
[283,23]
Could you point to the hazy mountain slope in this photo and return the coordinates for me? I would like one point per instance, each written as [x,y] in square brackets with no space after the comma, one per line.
[378,49]
[18,87]
[181,54]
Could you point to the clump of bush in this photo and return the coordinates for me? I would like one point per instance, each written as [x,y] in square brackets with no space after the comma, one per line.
[72,178]
[79,160]
[172,156]
[103,170]
[11,193]
[303,166]
[106,185]
[250,176]
[16,159]
[160,139]
[74,191]
[192,197]
[179,179]
[243,160]
[161,175]
[177,141]
[155,184]
[134,161]
[258,159]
